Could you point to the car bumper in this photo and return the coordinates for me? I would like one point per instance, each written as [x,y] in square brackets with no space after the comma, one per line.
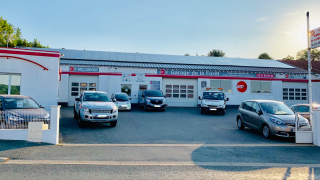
[156,106]
[282,130]
[103,118]
[124,108]
[212,109]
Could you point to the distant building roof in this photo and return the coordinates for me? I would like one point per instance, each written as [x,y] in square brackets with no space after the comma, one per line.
[304,65]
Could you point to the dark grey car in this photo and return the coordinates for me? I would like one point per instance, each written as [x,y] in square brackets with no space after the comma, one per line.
[269,117]
[151,99]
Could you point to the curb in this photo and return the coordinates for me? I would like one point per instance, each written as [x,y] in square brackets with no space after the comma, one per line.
[3,159]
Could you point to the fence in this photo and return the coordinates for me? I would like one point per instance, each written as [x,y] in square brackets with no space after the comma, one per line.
[24,125]
[19,119]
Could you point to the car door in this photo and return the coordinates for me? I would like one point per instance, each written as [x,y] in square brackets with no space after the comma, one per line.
[78,103]
[245,112]
[255,119]
[143,97]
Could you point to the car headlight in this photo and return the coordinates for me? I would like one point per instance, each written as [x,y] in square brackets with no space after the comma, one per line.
[277,121]
[114,109]
[14,118]
[148,100]
[47,116]
[85,109]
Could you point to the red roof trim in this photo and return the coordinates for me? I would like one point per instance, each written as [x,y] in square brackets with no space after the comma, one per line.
[44,68]
[93,73]
[29,52]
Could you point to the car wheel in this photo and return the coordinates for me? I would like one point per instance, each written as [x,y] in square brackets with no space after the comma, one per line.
[240,123]
[113,124]
[75,115]
[138,104]
[266,131]
[163,110]
[202,111]
[80,122]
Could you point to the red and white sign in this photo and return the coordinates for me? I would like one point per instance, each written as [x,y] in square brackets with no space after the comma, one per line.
[287,76]
[242,86]
[266,75]
[71,69]
[162,71]
[315,38]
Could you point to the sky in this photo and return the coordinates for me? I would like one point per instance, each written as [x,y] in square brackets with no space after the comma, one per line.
[242,29]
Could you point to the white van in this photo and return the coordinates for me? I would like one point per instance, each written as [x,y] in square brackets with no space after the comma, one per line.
[213,101]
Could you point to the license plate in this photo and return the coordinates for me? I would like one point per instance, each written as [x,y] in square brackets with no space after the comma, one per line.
[211,109]
[123,105]
[157,106]
[293,130]
[101,116]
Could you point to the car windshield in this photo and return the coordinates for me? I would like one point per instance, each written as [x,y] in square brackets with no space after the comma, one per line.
[96,97]
[276,108]
[213,95]
[20,103]
[122,97]
[154,93]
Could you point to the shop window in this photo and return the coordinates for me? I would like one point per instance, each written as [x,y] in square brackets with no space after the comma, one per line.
[83,84]
[126,88]
[294,94]
[260,86]
[10,83]
[225,84]
[74,88]
[92,84]
[179,91]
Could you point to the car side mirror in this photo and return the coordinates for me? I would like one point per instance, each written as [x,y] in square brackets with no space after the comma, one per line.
[114,100]
[41,106]
[227,99]
[259,112]
[77,99]
[200,98]
[129,98]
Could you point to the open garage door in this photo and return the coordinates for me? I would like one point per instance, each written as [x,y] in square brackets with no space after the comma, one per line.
[180,92]
[81,83]
[294,93]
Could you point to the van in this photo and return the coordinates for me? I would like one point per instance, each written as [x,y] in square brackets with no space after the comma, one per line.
[151,99]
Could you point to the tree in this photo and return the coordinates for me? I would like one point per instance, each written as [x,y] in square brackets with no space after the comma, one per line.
[288,58]
[187,54]
[314,55]
[216,53]
[264,56]
[13,36]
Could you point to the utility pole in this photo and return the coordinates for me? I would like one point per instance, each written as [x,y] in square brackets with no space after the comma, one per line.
[309,69]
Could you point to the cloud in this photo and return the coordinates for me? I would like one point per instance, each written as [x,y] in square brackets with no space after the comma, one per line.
[292,13]
[289,33]
[263,18]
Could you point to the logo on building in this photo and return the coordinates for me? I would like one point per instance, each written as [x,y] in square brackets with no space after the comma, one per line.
[71,68]
[242,86]
[162,71]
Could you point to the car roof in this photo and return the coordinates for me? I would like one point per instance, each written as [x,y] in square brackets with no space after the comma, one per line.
[13,96]
[94,92]
[260,101]
[305,105]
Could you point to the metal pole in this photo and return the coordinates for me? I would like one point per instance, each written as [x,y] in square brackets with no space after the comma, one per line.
[309,69]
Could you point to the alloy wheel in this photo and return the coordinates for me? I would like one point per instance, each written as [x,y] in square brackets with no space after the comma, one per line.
[266,131]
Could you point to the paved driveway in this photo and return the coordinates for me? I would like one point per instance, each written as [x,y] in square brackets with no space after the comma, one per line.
[175,125]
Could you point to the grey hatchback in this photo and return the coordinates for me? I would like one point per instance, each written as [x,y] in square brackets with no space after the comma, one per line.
[270,117]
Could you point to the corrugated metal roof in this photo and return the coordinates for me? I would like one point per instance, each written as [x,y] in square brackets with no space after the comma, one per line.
[182,66]
[166,59]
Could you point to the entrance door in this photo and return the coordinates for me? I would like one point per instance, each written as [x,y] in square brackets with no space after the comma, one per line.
[81,83]
[294,93]
[180,92]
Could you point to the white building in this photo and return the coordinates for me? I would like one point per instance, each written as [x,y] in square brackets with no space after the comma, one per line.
[181,78]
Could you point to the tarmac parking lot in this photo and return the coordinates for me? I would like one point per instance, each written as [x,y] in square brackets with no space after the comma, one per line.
[174,126]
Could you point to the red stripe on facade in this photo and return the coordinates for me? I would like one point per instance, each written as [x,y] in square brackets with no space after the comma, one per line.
[92,73]
[29,52]
[223,77]
[44,68]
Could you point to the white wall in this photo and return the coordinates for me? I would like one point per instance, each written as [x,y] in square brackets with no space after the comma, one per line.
[37,83]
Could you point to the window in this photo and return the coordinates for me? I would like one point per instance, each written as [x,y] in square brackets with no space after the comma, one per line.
[126,88]
[141,86]
[10,84]
[294,94]
[225,84]
[248,105]
[260,86]
[294,108]
[304,109]
[179,91]
[255,107]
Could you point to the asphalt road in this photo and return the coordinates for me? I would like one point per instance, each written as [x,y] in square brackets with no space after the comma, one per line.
[175,125]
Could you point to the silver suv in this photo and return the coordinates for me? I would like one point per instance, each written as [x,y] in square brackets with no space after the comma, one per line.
[95,106]
[270,117]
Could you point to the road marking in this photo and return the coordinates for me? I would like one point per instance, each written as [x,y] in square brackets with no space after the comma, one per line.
[193,145]
[155,163]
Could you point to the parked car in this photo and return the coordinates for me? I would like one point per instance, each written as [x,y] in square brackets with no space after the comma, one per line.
[213,101]
[151,99]
[304,109]
[95,107]
[122,101]
[270,117]
[17,111]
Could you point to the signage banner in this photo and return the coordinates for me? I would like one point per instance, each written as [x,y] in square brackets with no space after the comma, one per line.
[83,69]
[315,38]
[140,77]
[155,85]
[126,77]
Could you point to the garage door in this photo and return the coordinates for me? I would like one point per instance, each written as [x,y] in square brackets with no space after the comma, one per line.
[81,83]
[294,93]
[180,92]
